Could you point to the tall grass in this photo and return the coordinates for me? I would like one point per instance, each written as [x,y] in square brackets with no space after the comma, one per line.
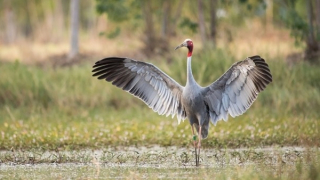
[67,108]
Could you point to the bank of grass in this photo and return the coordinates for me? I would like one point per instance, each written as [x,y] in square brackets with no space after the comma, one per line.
[66,108]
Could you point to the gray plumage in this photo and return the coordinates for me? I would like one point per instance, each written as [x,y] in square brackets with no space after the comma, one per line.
[145,81]
[233,93]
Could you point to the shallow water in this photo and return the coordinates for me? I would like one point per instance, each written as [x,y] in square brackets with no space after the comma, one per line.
[149,162]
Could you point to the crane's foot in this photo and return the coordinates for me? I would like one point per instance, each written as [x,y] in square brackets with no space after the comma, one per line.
[199,146]
[194,138]
[195,148]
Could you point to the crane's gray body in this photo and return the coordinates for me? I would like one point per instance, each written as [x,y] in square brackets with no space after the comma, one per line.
[233,93]
[193,101]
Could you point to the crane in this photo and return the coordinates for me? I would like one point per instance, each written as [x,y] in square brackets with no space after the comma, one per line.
[233,93]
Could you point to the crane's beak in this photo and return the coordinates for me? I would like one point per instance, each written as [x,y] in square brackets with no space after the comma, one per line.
[181,45]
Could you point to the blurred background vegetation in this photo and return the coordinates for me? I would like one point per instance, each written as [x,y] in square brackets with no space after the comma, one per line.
[146,28]
[48,98]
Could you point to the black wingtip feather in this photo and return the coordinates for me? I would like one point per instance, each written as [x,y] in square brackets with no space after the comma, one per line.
[262,75]
[108,60]
[263,67]
[103,66]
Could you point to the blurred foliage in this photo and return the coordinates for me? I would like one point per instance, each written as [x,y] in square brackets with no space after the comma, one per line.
[239,11]
[19,93]
[303,20]
[188,24]
[158,21]
[112,34]
[293,14]
[29,16]
[115,9]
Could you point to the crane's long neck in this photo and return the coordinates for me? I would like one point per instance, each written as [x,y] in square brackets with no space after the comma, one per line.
[190,78]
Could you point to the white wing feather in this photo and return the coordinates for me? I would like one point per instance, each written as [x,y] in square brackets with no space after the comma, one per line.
[145,81]
[235,91]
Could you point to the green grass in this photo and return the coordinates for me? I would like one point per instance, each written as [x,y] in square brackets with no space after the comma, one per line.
[66,108]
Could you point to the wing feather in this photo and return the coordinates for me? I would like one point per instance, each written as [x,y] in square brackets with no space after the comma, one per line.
[145,81]
[235,91]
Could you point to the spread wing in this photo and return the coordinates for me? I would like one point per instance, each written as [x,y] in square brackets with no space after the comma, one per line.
[145,81]
[236,90]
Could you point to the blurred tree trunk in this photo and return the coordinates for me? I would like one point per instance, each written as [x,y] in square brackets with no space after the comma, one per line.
[91,25]
[318,20]
[166,26]
[165,19]
[176,17]
[213,21]
[202,26]
[74,11]
[150,38]
[269,14]
[312,49]
[59,19]
[27,26]
[10,22]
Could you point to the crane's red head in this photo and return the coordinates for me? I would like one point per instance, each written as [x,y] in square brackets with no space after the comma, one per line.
[187,43]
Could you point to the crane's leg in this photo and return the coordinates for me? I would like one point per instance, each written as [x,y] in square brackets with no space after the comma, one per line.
[199,144]
[194,138]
